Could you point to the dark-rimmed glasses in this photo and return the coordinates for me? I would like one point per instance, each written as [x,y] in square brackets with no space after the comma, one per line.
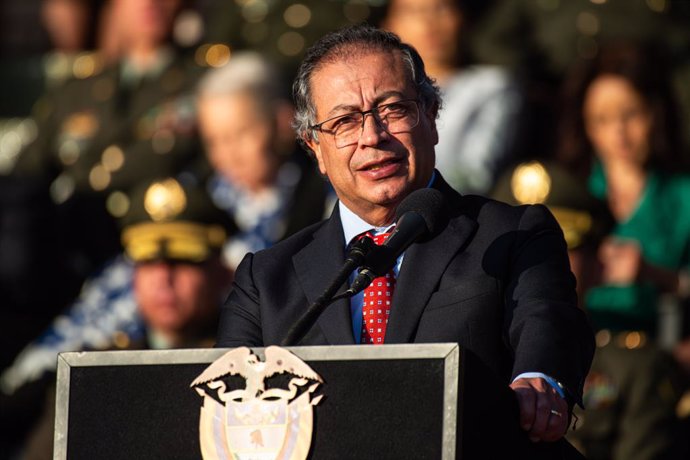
[394,117]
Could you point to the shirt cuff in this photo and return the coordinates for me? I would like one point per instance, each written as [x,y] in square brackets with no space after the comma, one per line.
[555,384]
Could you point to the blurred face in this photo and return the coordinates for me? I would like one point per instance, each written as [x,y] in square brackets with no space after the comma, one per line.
[431,26]
[145,21]
[66,22]
[374,174]
[238,140]
[617,120]
[177,298]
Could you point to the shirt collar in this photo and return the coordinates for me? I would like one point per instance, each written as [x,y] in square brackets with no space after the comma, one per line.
[354,225]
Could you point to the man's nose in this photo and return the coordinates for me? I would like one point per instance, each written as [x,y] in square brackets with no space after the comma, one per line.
[372,131]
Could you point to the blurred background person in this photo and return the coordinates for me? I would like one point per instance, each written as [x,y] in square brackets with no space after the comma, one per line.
[620,133]
[260,180]
[261,177]
[173,235]
[479,119]
[541,40]
[105,130]
[72,27]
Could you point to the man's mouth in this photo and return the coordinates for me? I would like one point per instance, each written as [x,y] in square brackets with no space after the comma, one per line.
[380,165]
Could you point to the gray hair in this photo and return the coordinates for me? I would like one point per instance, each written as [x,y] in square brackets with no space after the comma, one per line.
[348,42]
[247,72]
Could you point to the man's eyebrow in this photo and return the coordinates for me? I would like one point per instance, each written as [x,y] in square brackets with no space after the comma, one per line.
[342,109]
[348,108]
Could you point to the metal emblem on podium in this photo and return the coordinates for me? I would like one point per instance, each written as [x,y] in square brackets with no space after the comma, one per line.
[257,422]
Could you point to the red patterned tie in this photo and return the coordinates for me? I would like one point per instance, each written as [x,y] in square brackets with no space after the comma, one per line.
[376,307]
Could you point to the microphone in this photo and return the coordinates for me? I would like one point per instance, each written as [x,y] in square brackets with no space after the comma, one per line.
[416,217]
[355,257]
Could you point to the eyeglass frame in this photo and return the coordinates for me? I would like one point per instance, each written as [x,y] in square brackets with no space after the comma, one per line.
[373,112]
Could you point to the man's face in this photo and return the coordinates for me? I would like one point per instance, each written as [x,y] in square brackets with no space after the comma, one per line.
[372,176]
[176,298]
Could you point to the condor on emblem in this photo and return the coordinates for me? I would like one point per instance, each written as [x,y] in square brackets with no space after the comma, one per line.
[256,423]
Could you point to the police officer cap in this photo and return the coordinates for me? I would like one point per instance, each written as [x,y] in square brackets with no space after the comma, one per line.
[583,218]
[171,221]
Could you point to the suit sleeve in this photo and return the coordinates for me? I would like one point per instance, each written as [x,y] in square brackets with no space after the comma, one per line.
[240,317]
[546,330]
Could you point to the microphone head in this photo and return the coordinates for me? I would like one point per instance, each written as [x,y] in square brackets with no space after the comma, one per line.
[427,203]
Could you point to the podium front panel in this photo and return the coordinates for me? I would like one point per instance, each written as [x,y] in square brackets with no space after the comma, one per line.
[380,402]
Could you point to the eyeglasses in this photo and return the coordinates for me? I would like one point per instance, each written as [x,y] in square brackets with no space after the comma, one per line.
[396,117]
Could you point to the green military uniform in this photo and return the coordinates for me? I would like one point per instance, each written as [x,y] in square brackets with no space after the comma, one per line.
[102,133]
[632,388]
[282,30]
[113,128]
[630,398]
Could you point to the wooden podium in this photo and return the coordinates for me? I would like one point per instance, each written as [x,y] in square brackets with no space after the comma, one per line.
[379,402]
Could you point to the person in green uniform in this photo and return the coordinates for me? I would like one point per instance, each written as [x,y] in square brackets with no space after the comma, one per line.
[619,133]
[106,130]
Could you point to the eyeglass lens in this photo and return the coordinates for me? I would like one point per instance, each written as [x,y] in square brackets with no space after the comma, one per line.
[395,118]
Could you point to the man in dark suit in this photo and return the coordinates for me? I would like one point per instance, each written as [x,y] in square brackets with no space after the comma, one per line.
[493,278]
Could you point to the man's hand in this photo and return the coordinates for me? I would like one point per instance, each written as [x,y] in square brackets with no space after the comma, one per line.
[543,413]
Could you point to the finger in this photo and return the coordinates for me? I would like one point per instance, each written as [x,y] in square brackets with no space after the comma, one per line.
[558,421]
[526,397]
[544,403]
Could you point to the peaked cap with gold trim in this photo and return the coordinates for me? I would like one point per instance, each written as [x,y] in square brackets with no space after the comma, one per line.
[171,221]
[582,217]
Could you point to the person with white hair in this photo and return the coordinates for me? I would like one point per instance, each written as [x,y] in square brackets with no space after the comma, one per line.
[262,178]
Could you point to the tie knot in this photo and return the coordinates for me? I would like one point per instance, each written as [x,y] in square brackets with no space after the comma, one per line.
[381,238]
[378,239]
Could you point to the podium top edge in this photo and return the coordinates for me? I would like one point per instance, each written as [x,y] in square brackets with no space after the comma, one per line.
[208,355]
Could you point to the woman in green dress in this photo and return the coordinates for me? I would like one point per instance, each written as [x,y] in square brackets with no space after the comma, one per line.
[620,132]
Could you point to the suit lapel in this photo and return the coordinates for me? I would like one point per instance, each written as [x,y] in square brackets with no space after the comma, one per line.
[317,265]
[422,268]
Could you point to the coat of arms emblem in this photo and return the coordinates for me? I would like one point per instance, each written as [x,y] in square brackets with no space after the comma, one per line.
[260,421]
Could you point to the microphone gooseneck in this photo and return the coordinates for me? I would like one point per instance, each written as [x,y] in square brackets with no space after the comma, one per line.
[355,257]
[416,217]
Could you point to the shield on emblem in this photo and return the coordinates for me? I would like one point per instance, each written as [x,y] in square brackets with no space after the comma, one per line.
[256,429]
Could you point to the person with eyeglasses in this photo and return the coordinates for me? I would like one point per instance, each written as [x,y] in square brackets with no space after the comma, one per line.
[492,277]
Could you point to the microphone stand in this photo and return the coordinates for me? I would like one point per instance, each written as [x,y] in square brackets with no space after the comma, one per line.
[355,258]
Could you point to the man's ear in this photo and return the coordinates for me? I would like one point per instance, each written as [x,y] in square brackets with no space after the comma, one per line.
[432,113]
[316,148]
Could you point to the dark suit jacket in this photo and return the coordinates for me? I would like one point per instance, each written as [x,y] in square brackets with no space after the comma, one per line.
[495,279]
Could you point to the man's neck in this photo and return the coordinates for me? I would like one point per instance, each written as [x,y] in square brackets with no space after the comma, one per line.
[354,225]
